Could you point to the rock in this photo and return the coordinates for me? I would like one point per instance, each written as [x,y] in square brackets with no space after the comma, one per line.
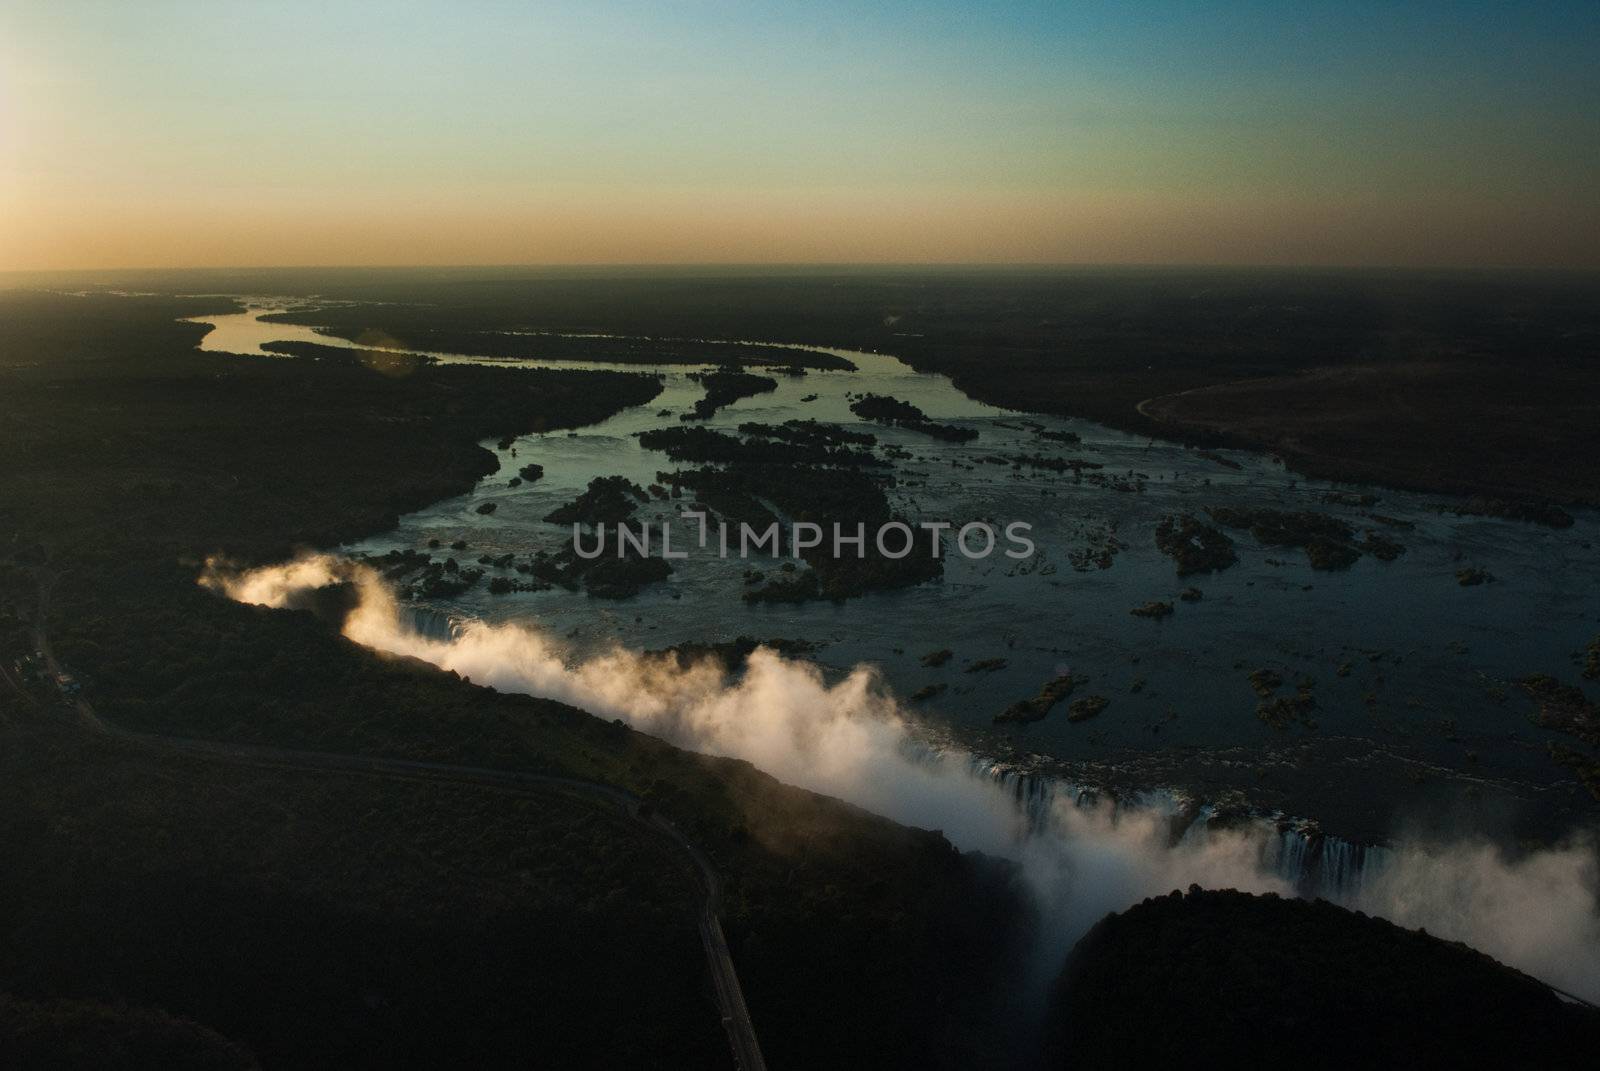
[1196,547]
[1088,707]
[1265,682]
[1027,711]
[1326,540]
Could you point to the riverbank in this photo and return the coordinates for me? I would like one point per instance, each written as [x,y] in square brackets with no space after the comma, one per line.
[130,456]
[1502,432]
[1478,383]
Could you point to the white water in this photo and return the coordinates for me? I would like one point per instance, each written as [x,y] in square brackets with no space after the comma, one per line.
[1083,855]
[1403,658]
[1082,858]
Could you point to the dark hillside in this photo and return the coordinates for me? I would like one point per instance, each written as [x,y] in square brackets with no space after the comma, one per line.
[272,905]
[1212,978]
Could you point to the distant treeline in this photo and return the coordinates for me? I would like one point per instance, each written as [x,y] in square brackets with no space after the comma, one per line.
[320,922]
[400,330]
[1469,382]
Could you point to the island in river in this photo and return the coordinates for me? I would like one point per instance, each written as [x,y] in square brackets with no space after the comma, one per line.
[134,456]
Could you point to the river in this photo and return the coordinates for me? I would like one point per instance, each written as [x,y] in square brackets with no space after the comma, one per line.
[1402,659]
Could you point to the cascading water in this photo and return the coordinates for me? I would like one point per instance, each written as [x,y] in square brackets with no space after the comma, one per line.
[430,624]
[1084,852]
[1313,863]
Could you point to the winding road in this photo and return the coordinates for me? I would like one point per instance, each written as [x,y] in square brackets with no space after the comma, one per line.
[725,980]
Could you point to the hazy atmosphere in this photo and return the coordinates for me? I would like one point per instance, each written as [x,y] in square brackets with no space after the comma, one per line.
[195,134]
[945,537]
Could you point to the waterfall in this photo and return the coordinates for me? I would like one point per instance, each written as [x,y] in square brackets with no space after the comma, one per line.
[428,623]
[1321,865]
[1295,850]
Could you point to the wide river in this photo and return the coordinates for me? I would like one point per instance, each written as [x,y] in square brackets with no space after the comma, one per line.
[1413,674]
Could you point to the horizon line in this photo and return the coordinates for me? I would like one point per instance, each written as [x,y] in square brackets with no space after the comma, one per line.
[843,265]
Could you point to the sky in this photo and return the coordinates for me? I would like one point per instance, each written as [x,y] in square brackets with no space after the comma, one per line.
[171,133]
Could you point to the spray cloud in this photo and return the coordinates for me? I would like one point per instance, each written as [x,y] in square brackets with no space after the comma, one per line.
[850,739]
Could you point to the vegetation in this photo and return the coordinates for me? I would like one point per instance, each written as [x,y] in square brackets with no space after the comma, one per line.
[1461,382]
[1075,465]
[1563,707]
[125,457]
[1027,711]
[416,329]
[1238,980]
[1195,546]
[764,444]
[607,500]
[64,1035]
[810,433]
[810,482]
[1086,708]
[326,921]
[624,577]
[1281,711]
[802,586]
[306,915]
[1329,543]
[731,655]
[1265,681]
[1381,547]
[724,387]
[1566,709]
[893,411]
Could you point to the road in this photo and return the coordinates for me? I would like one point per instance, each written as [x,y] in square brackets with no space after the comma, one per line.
[725,980]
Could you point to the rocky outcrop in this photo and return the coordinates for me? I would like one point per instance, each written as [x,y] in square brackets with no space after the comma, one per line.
[1209,979]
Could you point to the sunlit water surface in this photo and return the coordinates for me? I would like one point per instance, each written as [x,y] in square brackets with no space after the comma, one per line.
[1399,652]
